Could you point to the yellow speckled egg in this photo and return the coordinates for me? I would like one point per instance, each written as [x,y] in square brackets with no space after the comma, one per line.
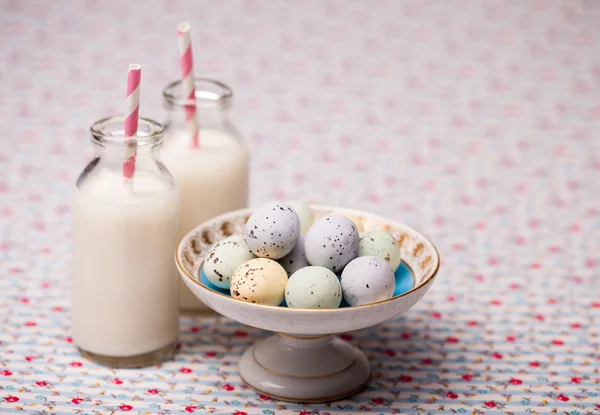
[259,281]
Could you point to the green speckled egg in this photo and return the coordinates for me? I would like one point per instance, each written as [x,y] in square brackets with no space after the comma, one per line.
[313,287]
[304,214]
[224,258]
[376,242]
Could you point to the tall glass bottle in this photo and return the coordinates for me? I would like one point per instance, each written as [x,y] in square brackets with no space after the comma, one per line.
[212,176]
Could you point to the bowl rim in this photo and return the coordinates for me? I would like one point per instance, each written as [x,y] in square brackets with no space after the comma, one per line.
[339,210]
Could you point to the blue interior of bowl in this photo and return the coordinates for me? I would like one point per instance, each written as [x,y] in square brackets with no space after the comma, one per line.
[404,282]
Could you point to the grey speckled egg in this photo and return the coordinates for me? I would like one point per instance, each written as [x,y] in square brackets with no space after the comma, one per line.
[366,280]
[296,259]
[224,258]
[272,231]
[377,242]
[304,213]
[331,242]
[313,287]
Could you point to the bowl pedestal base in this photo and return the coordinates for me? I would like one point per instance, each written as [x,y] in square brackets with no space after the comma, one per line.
[304,369]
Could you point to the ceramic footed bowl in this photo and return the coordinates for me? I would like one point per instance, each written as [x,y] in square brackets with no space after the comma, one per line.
[305,363]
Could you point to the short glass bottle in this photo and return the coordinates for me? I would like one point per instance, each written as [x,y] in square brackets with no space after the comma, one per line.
[124,294]
[212,176]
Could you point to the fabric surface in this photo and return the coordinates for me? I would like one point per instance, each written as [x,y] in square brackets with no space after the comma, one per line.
[476,122]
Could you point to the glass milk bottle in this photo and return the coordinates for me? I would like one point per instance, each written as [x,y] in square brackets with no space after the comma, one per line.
[212,176]
[125,296]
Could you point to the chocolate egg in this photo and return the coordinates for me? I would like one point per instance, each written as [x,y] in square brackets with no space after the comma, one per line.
[296,259]
[272,231]
[224,258]
[367,279]
[377,242]
[331,242]
[259,281]
[304,214]
[313,287]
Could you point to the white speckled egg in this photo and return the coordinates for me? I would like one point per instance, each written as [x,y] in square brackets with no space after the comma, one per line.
[296,259]
[259,281]
[304,214]
[313,287]
[272,230]
[331,242]
[377,242]
[366,280]
[224,258]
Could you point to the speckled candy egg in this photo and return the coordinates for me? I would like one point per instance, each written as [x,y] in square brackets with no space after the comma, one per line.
[331,242]
[259,281]
[367,279]
[313,287]
[304,214]
[358,222]
[376,242]
[224,258]
[272,230]
[296,259]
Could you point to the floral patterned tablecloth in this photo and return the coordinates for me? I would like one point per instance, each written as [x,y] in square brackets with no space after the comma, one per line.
[476,122]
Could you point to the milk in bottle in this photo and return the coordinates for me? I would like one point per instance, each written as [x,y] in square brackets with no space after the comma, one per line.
[124,294]
[212,176]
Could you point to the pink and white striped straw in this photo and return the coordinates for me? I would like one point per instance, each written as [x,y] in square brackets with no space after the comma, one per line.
[132,109]
[187,81]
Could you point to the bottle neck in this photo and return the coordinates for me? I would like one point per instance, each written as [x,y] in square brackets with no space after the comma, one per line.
[110,144]
[142,152]
[213,118]
[211,102]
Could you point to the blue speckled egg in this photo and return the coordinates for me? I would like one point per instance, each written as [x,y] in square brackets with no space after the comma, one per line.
[304,213]
[313,287]
[224,258]
[272,231]
[367,279]
[331,242]
[296,259]
[376,242]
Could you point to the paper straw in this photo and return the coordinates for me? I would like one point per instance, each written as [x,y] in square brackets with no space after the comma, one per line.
[132,108]
[187,81]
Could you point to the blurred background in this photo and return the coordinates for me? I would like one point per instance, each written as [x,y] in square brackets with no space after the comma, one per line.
[383,104]
[476,122]
[469,119]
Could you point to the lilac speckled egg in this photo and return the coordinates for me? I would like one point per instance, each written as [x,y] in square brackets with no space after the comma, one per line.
[272,231]
[358,222]
[224,258]
[367,279]
[331,242]
[296,259]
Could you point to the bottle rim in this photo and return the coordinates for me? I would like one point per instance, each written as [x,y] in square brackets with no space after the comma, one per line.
[210,93]
[111,131]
